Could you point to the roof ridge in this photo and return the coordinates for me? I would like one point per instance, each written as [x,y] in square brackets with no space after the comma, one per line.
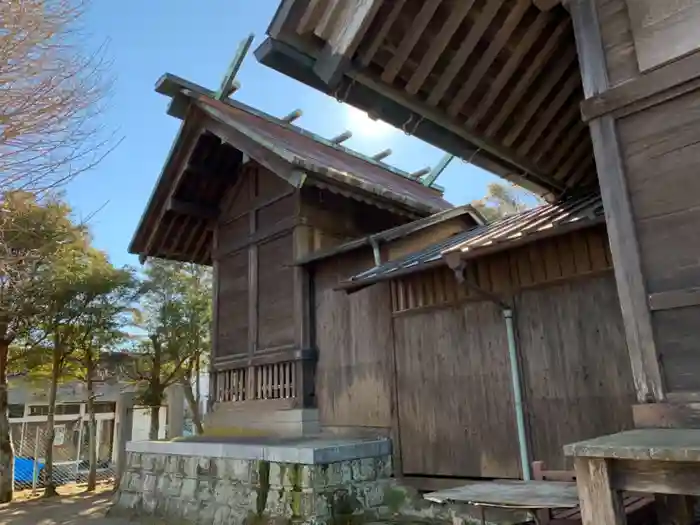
[326,142]
[171,85]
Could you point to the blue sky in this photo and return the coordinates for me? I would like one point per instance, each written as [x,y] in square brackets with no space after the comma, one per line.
[197,41]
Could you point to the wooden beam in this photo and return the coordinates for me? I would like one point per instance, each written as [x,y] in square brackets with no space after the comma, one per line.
[334,60]
[674,299]
[671,77]
[191,209]
[641,346]
[253,284]
[177,163]
[666,415]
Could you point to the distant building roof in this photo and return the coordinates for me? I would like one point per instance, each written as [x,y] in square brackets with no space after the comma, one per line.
[543,221]
[399,232]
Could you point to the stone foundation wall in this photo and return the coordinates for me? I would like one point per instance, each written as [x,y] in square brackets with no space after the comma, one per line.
[235,491]
[193,490]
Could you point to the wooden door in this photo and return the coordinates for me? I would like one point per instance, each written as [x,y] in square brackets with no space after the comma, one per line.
[455,403]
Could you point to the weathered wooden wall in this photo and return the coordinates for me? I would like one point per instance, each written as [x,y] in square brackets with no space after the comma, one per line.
[254,252]
[455,406]
[353,335]
[574,361]
[651,119]
[454,386]
[254,339]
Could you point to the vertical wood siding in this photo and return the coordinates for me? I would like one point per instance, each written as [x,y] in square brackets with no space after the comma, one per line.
[455,403]
[454,407]
[354,341]
[574,361]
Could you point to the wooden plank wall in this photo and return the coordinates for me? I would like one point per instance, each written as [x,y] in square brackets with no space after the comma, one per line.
[574,361]
[255,250]
[455,405]
[454,387]
[660,148]
[353,335]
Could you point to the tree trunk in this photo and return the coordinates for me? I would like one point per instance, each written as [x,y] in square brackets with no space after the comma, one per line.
[92,433]
[155,423]
[198,384]
[7,456]
[194,407]
[50,487]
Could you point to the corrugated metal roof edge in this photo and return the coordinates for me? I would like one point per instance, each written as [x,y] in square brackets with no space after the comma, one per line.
[354,284]
[395,233]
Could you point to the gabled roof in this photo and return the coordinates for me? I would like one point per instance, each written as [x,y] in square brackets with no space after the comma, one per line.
[537,223]
[325,161]
[467,212]
[217,137]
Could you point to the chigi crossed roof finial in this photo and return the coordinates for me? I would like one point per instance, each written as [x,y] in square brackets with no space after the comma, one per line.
[228,84]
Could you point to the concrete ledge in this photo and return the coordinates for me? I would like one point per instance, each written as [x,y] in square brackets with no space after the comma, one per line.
[306,451]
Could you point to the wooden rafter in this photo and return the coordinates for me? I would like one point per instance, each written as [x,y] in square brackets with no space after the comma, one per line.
[495,47]
[523,47]
[438,46]
[523,118]
[533,69]
[551,109]
[190,133]
[465,50]
[555,131]
[410,40]
[368,54]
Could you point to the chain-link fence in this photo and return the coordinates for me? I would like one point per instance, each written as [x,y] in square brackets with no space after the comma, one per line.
[71,453]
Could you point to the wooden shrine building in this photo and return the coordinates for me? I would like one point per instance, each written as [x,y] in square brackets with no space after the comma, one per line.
[251,194]
[559,96]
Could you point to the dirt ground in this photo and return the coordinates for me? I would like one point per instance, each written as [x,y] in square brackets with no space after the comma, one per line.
[72,507]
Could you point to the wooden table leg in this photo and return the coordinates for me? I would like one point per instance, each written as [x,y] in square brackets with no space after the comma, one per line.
[673,509]
[600,504]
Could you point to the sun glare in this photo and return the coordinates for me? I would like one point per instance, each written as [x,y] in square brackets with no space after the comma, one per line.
[362,126]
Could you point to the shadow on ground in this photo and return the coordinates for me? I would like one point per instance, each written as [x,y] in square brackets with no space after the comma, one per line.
[78,509]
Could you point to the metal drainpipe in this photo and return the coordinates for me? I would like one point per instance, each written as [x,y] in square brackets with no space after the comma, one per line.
[375,251]
[517,395]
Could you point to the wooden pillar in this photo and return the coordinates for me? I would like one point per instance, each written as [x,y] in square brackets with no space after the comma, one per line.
[600,503]
[640,67]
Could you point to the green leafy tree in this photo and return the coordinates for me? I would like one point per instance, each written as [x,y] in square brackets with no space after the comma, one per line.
[34,236]
[62,306]
[503,200]
[176,317]
[103,300]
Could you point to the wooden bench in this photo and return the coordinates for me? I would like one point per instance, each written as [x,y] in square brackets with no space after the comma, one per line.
[638,508]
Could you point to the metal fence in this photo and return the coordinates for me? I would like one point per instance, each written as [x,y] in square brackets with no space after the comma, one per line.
[70,453]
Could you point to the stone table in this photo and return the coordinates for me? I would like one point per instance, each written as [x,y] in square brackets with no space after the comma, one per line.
[665,462]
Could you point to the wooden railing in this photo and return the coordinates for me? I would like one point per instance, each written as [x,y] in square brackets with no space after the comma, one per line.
[268,381]
[231,385]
